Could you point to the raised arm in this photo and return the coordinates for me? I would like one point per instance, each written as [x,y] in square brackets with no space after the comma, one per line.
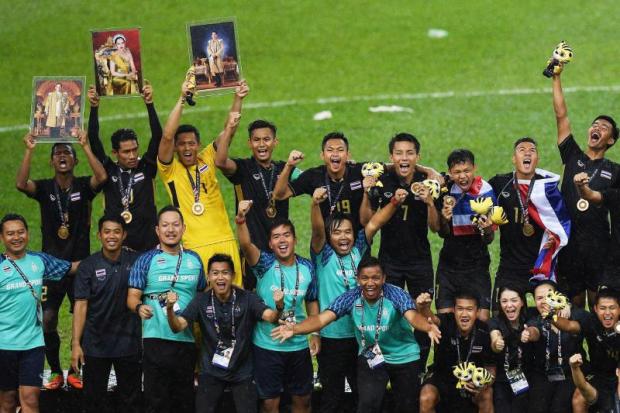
[582,181]
[241,91]
[419,322]
[316,218]
[281,189]
[272,316]
[23,183]
[566,325]
[154,123]
[93,124]
[430,173]
[99,173]
[222,161]
[561,112]
[250,251]
[423,304]
[381,217]
[165,152]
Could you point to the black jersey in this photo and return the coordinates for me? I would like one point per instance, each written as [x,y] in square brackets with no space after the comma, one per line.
[404,239]
[454,349]
[611,199]
[76,203]
[141,230]
[345,195]
[516,355]
[518,252]
[253,182]
[589,228]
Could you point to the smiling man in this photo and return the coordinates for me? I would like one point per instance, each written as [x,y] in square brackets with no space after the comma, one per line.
[65,202]
[105,332]
[580,263]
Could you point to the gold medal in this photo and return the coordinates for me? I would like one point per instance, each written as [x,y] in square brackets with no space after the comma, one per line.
[528,229]
[63,232]
[127,216]
[449,200]
[583,205]
[198,208]
[416,187]
[271,210]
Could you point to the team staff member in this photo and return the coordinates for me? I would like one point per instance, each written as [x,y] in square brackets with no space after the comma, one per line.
[384,316]
[580,263]
[464,338]
[599,391]
[21,338]
[105,331]
[278,365]
[65,203]
[464,258]
[227,316]
[129,191]
[551,384]
[336,256]
[192,184]
[519,238]
[510,338]
[405,252]
[169,358]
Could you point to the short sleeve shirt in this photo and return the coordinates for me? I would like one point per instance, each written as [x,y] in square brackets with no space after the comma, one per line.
[111,329]
[270,274]
[253,182]
[395,334]
[19,326]
[212,226]
[336,275]
[77,203]
[206,309]
[153,273]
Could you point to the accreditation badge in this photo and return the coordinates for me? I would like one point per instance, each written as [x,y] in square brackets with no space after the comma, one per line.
[517,380]
[176,308]
[223,354]
[374,356]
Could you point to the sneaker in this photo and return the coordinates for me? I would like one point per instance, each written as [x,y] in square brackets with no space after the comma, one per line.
[74,380]
[55,381]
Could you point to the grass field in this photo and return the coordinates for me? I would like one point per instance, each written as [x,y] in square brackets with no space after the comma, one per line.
[480,87]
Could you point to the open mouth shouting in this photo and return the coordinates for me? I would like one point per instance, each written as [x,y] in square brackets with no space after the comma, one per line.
[404,168]
[343,246]
[608,321]
[511,313]
[595,137]
[335,163]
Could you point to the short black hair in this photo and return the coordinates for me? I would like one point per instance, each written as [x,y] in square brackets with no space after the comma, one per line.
[524,139]
[170,208]
[334,221]
[70,146]
[334,135]
[550,283]
[259,124]
[111,218]
[606,292]
[466,294]
[219,257]
[458,156]
[282,221]
[614,127]
[370,262]
[185,129]
[12,217]
[122,135]
[404,137]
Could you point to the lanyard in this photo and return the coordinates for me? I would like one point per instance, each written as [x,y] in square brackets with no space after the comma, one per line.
[125,192]
[507,357]
[332,204]
[458,347]
[216,324]
[548,331]
[377,327]
[267,188]
[344,271]
[63,210]
[195,184]
[524,205]
[175,277]
[26,280]
[294,306]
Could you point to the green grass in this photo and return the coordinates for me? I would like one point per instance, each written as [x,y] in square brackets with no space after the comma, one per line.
[308,50]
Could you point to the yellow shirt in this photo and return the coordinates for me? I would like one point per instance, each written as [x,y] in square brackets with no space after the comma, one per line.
[212,226]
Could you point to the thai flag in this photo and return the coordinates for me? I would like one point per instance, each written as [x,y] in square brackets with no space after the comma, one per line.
[547,209]
[461,214]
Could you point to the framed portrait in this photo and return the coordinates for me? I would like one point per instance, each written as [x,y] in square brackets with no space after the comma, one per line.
[214,55]
[117,62]
[57,113]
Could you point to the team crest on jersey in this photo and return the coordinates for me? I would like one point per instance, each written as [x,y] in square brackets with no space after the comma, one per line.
[161,261]
[138,177]
[75,196]
[101,274]
[356,185]
[34,267]
[203,168]
[476,349]
[256,177]
[209,311]
[114,179]
[190,265]
[52,198]
[506,194]
[606,174]
[6,269]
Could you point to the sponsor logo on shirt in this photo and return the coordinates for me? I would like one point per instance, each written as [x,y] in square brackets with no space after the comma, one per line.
[580,163]
[22,284]
[75,196]
[355,185]
[291,291]
[101,274]
[372,328]
[180,278]
[388,194]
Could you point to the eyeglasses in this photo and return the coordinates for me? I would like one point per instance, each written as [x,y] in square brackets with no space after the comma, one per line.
[225,273]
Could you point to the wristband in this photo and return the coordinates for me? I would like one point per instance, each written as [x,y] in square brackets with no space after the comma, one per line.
[239,220]
[315,334]
[137,309]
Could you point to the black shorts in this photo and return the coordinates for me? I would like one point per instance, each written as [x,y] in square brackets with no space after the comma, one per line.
[451,399]
[610,279]
[606,388]
[54,293]
[276,371]
[418,279]
[581,269]
[451,280]
[516,281]
[21,368]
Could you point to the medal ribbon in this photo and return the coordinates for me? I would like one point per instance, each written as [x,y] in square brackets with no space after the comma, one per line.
[471,347]
[343,269]
[523,204]
[332,205]
[216,324]
[62,210]
[547,331]
[196,184]
[268,189]
[377,327]
[125,192]
[296,282]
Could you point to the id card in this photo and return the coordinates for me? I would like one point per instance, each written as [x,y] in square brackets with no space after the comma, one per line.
[222,355]
[289,316]
[555,374]
[374,356]
[517,381]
